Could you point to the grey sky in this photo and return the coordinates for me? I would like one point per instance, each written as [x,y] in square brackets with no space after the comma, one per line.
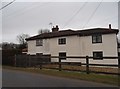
[29,17]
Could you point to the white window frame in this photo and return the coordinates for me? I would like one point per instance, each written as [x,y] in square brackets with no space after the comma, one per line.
[97,38]
[39,42]
[98,55]
[62,41]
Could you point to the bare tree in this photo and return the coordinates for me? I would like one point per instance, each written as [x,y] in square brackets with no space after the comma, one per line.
[43,31]
[21,38]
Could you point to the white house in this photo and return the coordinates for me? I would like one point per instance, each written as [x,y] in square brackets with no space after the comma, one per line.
[96,42]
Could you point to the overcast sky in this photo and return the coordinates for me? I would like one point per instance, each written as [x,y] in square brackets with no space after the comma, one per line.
[29,17]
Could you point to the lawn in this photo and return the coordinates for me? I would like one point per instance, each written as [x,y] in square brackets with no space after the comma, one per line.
[101,78]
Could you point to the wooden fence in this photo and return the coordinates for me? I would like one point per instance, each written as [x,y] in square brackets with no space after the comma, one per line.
[30,60]
[42,60]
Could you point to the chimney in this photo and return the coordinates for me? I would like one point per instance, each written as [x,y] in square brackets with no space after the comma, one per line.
[54,29]
[109,26]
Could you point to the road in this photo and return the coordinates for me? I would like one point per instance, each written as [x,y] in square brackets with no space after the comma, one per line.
[12,78]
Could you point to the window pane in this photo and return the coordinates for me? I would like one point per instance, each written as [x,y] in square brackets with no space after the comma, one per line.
[99,38]
[94,39]
[64,40]
[59,41]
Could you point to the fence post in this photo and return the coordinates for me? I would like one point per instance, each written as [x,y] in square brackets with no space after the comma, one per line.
[41,57]
[60,68]
[26,60]
[119,62]
[40,65]
[15,61]
[87,64]
[118,71]
[29,58]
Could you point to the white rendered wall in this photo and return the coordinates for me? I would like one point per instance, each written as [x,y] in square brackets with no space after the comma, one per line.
[78,46]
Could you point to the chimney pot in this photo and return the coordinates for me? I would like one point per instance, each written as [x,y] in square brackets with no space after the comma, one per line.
[54,29]
[56,26]
[110,26]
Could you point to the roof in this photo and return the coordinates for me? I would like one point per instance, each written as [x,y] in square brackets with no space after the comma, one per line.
[85,32]
[88,32]
[53,34]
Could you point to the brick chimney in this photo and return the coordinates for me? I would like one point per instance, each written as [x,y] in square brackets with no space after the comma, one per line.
[109,26]
[54,29]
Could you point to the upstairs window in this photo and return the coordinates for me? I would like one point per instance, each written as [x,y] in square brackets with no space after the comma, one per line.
[61,41]
[39,42]
[98,55]
[97,38]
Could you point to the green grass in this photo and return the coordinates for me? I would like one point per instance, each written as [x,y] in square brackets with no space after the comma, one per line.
[100,78]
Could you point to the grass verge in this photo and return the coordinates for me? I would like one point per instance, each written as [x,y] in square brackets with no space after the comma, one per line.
[100,78]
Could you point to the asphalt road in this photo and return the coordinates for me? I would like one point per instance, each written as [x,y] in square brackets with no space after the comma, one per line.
[12,78]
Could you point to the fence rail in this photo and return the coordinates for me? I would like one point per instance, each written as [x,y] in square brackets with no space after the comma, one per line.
[41,61]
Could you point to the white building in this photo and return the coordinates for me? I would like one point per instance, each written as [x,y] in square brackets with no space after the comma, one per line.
[96,42]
